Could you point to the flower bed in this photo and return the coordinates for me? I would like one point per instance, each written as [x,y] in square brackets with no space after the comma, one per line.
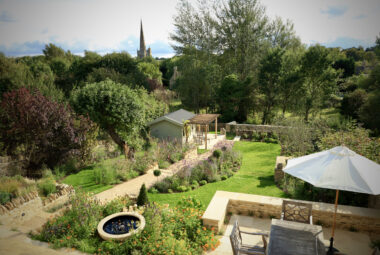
[220,166]
[177,230]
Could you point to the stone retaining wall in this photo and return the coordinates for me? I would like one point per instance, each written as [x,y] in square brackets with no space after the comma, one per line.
[348,217]
[240,129]
[62,190]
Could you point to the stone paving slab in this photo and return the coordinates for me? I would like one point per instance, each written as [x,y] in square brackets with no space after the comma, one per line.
[353,243]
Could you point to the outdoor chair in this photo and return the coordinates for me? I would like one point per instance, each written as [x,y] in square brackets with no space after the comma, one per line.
[237,243]
[296,211]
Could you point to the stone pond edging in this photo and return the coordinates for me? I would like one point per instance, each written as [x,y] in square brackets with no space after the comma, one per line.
[107,236]
[348,217]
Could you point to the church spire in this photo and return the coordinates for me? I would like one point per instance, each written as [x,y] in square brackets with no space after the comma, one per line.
[142,41]
[142,53]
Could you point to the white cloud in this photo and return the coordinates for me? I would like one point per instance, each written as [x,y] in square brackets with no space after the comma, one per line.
[113,25]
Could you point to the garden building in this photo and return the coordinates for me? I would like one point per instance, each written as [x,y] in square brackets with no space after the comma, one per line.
[186,127]
[172,126]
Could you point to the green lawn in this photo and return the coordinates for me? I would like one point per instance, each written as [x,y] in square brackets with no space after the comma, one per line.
[85,179]
[254,177]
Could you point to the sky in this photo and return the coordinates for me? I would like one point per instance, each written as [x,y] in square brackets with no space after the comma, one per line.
[108,26]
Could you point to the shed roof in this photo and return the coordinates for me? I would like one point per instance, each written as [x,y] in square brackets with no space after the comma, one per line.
[177,117]
[203,118]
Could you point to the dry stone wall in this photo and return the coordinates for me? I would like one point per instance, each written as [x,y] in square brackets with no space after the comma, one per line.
[348,217]
[63,190]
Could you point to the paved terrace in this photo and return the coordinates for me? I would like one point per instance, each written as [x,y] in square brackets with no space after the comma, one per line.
[352,243]
[263,208]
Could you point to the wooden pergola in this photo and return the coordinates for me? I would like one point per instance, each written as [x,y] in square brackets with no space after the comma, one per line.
[204,120]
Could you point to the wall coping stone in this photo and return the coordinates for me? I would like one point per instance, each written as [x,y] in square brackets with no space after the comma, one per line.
[216,209]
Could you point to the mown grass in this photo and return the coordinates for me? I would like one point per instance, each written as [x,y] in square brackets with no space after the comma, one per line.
[85,179]
[254,177]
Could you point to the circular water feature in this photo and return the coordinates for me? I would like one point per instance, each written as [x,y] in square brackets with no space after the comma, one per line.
[120,226]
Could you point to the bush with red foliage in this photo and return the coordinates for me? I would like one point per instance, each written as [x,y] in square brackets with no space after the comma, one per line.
[40,131]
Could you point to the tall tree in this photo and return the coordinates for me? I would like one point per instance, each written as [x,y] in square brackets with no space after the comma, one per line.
[291,81]
[241,31]
[199,80]
[119,110]
[235,98]
[40,130]
[319,78]
[270,81]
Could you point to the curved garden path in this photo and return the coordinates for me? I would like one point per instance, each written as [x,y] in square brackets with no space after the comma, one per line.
[132,187]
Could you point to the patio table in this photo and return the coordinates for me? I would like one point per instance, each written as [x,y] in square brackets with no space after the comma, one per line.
[294,238]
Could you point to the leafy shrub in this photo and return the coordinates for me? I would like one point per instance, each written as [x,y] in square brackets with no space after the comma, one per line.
[182,188]
[153,190]
[178,230]
[357,139]
[157,172]
[140,165]
[270,140]
[175,157]
[162,164]
[207,171]
[115,205]
[47,186]
[53,130]
[5,197]
[163,186]
[142,199]
[105,176]
[215,178]
[224,177]
[170,191]
[203,182]
[217,153]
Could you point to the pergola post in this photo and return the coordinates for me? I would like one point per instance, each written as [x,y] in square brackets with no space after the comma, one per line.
[216,127]
[206,127]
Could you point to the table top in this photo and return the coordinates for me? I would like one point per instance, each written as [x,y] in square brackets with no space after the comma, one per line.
[294,238]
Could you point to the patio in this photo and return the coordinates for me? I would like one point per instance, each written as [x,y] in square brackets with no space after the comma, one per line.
[212,139]
[255,214]
[347,242]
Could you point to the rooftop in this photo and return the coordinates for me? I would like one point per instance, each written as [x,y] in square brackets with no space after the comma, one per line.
[177,117]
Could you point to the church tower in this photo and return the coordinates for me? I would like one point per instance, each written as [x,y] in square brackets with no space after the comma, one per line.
[142,53]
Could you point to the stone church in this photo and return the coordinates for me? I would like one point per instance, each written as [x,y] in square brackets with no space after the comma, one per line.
[142,53]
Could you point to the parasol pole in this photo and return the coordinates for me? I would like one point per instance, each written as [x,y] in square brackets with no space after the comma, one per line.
[331,248]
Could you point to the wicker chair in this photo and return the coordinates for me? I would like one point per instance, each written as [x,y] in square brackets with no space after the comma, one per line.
[296,211]
[239,248]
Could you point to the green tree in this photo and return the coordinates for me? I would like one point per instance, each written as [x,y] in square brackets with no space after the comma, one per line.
[40,130]
[369,112]
[270,81]
[241,30]
[118,109]
[319,78]
[52,51]
[235,98]
[150,70]
[198,82]
[142,198]
[282,34]
[352,103]
[290,89]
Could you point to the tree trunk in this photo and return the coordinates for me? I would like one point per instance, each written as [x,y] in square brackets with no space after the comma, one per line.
[307,114]
[128,152]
